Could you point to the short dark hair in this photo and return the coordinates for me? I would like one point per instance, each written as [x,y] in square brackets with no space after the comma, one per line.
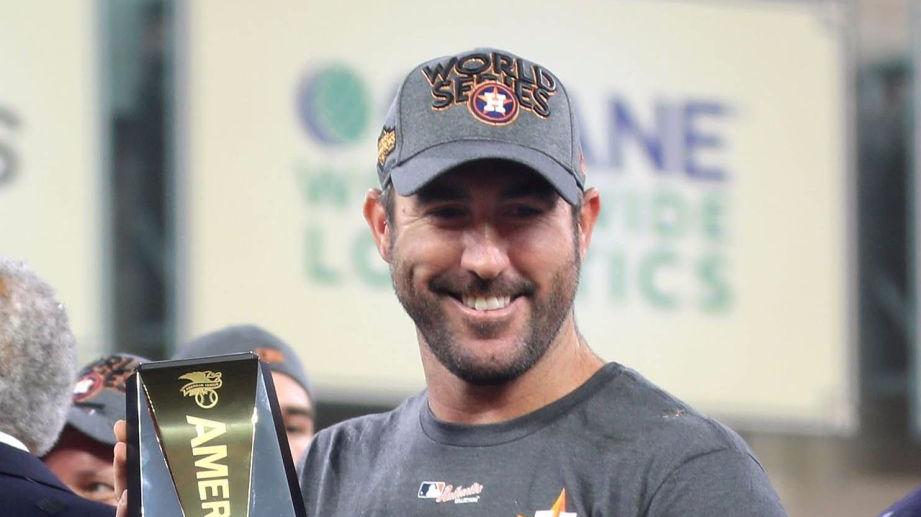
[387,200]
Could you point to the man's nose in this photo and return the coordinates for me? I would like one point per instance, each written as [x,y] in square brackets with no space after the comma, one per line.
[485,252]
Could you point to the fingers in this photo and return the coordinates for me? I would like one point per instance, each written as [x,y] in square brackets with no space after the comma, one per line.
[121,431]
[119,463]
[122,509]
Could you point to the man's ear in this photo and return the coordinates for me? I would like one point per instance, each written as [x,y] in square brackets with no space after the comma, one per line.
[588,214]
[376,217]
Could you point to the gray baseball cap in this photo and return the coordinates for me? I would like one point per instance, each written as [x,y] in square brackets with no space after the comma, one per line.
[99,396]
[485,103]
[277,354]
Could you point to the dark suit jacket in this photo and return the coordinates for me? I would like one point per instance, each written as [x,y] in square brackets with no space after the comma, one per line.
[908,506]
[28,488]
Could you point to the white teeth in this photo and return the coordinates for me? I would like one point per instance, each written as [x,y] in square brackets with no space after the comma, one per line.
[484,303]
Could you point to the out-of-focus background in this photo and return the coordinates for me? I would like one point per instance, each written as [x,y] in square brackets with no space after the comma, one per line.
[175,167]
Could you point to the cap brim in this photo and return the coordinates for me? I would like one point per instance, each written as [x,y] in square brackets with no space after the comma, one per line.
[98,423]
[97,427]
[414,173]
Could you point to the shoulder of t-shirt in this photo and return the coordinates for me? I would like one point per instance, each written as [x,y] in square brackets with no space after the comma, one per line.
[656,418]
[375,427]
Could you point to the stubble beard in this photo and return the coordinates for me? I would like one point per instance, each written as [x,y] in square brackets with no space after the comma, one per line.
[544,322]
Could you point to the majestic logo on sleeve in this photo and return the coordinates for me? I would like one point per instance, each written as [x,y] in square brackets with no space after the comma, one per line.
[203,386]
[492,85]
[557,510]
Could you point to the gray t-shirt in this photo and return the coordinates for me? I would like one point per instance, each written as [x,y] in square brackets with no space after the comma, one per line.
[616,446]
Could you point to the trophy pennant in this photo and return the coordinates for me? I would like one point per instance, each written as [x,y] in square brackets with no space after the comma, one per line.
[194,427]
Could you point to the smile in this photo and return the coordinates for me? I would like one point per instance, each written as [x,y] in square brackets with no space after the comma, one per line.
[486,303]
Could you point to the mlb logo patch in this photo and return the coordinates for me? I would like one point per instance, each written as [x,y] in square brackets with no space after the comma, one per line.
[431,489]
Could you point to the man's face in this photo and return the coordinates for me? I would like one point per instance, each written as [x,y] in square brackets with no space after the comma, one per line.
[297,412]
[84,465]
[485,259]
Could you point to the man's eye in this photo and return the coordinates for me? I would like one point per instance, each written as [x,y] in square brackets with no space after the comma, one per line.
[295,429]
[447,212]
[98,488]
[524,211]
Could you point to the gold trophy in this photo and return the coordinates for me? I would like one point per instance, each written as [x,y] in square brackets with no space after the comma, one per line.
[206,439]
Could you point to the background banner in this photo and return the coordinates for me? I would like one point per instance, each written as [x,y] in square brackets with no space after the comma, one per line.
[719,268]
[51,187]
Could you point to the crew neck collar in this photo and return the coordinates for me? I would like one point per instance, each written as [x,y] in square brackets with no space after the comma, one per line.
[484,435]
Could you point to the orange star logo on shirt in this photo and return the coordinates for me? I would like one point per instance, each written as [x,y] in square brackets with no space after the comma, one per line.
[557,510]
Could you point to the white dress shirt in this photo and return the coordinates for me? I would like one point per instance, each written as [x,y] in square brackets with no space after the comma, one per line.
[12,441]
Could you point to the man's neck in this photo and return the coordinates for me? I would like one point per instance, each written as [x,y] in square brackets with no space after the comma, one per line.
[566,365]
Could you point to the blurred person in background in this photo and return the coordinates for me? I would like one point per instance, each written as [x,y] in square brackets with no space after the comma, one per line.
[292,386]
[38,359]
[82,456]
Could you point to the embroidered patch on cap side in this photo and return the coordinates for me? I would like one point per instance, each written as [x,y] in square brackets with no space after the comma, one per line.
[386,143]
[493,103]
[110,372]
[87,387]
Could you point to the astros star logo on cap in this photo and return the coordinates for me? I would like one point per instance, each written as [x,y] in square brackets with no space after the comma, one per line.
[493,103]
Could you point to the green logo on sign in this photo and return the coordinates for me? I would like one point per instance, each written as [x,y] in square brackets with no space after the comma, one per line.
[334,105]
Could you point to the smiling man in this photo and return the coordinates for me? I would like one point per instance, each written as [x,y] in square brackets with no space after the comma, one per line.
[484,218]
